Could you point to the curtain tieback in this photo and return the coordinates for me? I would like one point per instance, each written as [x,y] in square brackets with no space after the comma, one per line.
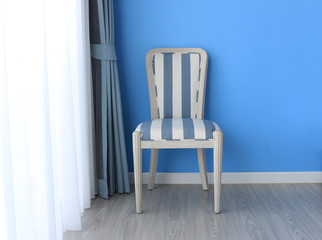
[104,51]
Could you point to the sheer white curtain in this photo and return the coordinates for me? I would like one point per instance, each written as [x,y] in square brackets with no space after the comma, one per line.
[46,137]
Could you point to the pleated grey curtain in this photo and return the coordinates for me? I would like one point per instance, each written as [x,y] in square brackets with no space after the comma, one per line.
[111,160]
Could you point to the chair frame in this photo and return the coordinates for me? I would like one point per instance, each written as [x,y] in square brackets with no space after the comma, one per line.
[216,143]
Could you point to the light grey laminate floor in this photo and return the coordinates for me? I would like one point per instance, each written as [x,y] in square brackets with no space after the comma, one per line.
[261,211]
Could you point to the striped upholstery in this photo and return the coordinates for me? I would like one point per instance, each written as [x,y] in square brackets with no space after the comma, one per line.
[176,83]
[176,129]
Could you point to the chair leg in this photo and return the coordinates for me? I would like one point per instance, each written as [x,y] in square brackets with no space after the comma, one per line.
[218,136]
[202,168]
[137,159]
[153,168]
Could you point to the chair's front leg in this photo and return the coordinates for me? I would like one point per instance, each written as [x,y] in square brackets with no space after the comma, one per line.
[218,136]
[137,159]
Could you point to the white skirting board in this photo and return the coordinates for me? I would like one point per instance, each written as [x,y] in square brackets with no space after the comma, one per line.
[235,177]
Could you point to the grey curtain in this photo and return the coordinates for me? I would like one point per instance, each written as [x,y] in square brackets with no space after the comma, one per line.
[111,160]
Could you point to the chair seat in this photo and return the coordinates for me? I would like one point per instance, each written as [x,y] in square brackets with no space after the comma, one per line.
[176,129]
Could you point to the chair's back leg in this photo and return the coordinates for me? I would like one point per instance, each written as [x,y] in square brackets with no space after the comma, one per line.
[153,168]
[202,168]
[218,136]
[137,159]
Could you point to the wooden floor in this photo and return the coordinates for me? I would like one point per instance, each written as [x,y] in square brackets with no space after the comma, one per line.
[261,211]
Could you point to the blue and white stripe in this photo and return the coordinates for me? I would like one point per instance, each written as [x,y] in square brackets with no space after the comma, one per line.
[177,84]
[176,129]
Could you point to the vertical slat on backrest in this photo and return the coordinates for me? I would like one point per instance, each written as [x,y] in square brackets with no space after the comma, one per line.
[186,86]
[176,82]
[167,84]
[159,82]
[202,83]
[194,71]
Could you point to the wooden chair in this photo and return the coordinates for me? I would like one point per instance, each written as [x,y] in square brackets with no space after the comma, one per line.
[177,83]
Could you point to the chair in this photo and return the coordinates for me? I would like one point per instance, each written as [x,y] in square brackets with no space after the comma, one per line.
[177,83]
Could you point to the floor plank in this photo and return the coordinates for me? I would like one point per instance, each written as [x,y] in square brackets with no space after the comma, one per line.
[184,212]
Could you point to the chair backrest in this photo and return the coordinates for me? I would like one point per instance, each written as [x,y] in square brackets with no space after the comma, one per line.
[177,82]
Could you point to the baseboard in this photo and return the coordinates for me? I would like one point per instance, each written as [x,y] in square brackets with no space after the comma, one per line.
[236,177]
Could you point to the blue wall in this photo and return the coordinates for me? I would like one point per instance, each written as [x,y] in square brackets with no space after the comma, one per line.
[264,81]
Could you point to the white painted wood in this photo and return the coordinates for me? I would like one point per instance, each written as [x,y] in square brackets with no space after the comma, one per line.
[153,167]
[234,177]
[202,168]
[178,144]
[217,168]
[137,159]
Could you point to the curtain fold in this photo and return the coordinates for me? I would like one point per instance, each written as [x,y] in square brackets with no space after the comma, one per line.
[46,141]
[111,159]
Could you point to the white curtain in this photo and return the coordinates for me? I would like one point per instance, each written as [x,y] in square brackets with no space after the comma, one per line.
[46,137]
